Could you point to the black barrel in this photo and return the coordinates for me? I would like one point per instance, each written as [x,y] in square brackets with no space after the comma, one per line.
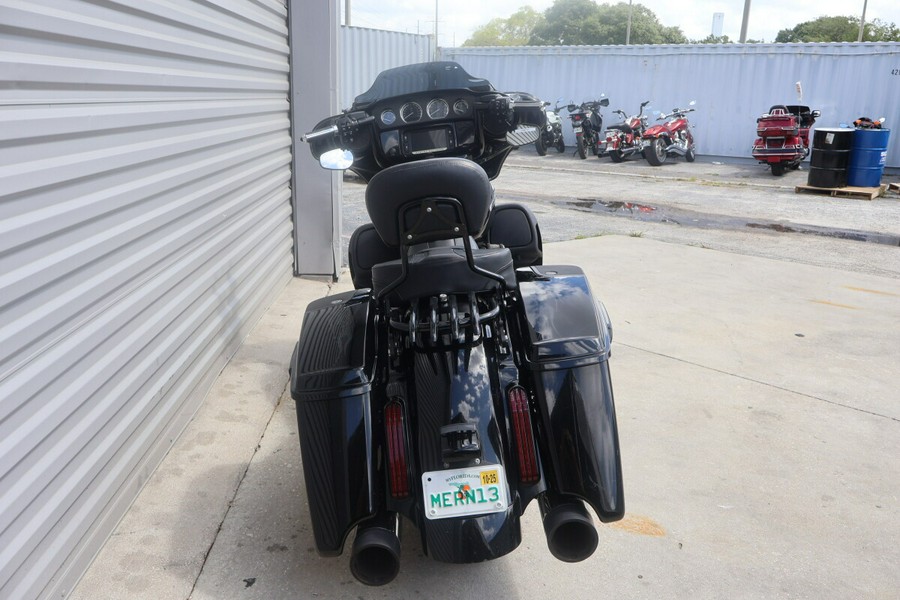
[830,154]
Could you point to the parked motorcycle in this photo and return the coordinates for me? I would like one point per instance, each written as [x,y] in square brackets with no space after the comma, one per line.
[461,379]
[625,138]
[783,133]
[552,133]
[674,137]
[587,125]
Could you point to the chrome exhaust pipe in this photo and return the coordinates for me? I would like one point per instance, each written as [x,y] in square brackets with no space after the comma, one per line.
[375,559]
[570,531]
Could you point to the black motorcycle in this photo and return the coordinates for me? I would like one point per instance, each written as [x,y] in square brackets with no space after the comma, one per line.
[460,379]
[588,126]
[552,133]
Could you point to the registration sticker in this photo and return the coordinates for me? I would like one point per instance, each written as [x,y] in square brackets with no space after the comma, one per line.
[472,491]
[577,128]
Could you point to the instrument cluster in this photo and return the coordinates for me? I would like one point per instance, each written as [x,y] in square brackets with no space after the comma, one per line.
[422,111]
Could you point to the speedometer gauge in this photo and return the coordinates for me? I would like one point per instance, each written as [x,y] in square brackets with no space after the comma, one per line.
[460,107]
[438,109]
[410,112]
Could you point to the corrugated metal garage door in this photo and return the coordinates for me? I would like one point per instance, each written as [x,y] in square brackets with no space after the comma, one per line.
[145,223]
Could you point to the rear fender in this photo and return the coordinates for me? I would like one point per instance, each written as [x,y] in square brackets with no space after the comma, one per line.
[454,387]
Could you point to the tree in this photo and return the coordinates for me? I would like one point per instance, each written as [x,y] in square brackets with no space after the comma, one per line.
[584,22]
[839,29]
[514,31]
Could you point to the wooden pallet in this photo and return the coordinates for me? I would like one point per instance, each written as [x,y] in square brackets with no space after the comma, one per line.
[894,187]
[864,193]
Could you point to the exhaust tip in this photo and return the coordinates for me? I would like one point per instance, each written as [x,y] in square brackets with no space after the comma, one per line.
[375,559]
[571,535]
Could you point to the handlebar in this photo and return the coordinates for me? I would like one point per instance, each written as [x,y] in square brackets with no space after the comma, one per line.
[344,128]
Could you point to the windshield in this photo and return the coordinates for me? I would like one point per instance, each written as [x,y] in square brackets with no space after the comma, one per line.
[423,77]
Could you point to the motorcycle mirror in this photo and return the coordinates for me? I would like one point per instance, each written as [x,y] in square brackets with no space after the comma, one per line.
[523,135]
[882,119]
[645,103]
[692,103]
[604,101]
[817,113]
[336,160]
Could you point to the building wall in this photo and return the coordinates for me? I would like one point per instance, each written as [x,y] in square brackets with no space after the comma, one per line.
[732,83]
[145,224]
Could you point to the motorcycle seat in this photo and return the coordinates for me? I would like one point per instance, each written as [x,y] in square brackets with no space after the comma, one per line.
[623,127]
[438,268]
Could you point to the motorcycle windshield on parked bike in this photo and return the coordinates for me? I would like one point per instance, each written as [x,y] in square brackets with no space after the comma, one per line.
[461,378]
[429,110]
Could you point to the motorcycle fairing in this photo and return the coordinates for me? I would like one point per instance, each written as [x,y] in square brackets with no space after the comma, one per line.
[569,337]
[331,382]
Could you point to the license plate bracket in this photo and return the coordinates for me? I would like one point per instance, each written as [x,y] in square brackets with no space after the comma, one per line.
[469,491]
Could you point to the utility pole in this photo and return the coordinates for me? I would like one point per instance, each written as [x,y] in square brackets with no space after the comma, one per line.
[347,13]
[744,22]
[628,29]
[435,29]
[862,22]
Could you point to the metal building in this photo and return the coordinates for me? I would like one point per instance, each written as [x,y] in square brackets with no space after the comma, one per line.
[145,161]
[733,84]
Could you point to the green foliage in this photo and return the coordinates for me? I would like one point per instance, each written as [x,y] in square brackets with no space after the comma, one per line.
[514,31]
[839,29]
[584,22]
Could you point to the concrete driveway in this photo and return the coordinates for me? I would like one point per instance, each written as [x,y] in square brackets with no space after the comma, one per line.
[756,375]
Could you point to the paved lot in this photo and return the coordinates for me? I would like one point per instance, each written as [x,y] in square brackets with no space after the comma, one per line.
[756,376]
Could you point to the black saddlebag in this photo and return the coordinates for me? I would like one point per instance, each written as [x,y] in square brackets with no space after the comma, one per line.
[567,355]
[331,382]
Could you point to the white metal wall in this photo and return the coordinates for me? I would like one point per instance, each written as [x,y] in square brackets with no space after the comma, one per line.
[145,223]
[732,83]
[367,52]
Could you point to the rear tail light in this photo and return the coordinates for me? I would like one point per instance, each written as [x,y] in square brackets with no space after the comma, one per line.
[396,447]
[524,436]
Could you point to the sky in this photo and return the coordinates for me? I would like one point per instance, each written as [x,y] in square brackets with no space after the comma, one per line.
[457,19]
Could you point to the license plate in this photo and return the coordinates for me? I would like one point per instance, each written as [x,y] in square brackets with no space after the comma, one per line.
[576,129]
[464,492]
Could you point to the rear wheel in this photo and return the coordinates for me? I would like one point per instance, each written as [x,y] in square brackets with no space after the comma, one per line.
[540,145]
[560,144]
[777,169]
[579,142]
[690,155]
[656,153]
[616,155]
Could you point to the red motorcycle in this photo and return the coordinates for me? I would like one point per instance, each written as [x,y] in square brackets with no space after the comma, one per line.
[783,133]
[625,138]
[672,137]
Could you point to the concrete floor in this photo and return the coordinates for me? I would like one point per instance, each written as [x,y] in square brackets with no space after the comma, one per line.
[759,419]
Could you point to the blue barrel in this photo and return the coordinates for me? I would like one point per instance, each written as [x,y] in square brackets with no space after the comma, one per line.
[867,155]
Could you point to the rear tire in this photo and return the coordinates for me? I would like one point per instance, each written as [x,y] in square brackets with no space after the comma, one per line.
[616,155]
[560,145]
[777,169]
[690,155]
[540,146]
[656,153]
[579,141]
